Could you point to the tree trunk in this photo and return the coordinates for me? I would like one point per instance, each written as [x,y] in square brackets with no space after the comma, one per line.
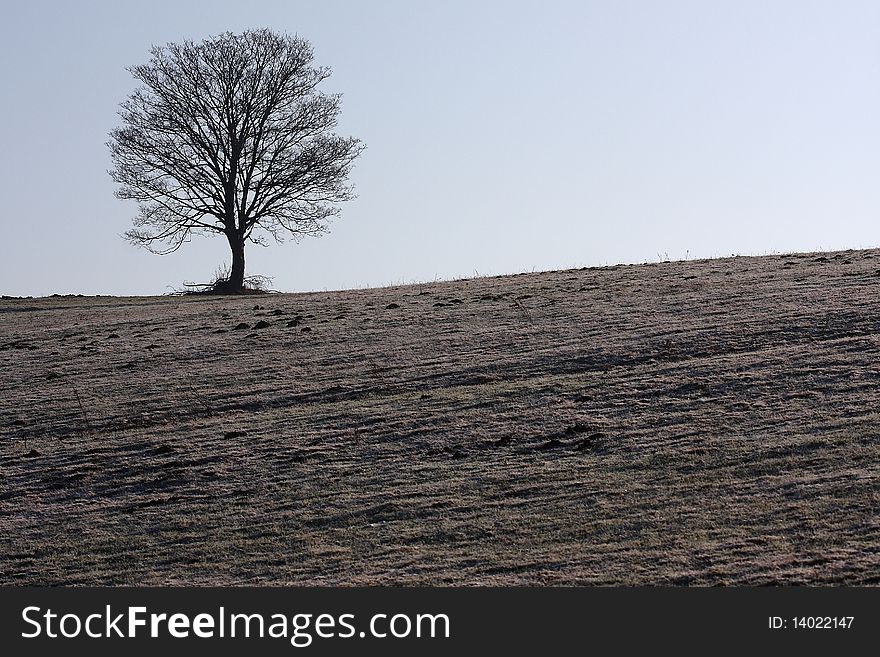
[236,276]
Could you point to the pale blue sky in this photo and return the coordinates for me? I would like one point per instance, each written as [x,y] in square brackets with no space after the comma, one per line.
[501,136]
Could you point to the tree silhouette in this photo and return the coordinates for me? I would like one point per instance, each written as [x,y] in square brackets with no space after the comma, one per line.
[231,136]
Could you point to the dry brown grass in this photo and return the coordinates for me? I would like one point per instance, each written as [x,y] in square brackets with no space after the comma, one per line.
[687,423]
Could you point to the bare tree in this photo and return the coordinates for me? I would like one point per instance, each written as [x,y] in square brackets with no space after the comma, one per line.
[231,136]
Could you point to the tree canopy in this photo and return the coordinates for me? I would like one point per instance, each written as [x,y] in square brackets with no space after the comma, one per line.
[231,135]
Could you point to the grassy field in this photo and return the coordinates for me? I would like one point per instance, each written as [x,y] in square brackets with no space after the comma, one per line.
[688,423]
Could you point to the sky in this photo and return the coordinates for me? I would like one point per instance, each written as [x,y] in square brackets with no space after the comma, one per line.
[501,136]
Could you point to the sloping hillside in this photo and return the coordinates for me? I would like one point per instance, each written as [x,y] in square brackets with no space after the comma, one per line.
[688,423]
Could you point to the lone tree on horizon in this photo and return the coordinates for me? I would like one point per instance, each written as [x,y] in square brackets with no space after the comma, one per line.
[231,136]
